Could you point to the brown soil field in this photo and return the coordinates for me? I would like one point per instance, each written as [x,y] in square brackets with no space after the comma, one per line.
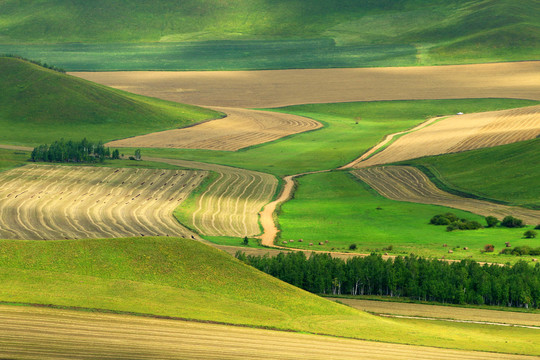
[241,128]
[461,133]
[444,312]
[256,89]
[57,202]
[53,334]
[406,183]
[230,205]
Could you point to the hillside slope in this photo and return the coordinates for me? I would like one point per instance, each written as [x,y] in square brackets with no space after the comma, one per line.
[38,105]
[184,278]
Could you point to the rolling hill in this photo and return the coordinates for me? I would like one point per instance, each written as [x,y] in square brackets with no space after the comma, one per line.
[405,32]
[39,105]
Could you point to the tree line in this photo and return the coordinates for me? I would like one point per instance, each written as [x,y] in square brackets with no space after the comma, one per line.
[83,151]
[464,282]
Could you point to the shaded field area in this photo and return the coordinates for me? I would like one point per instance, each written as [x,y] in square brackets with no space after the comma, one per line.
[52,334]
[461,133]
[57,202]
[240,129]
[443,312]
[514,178]
[338,207]
[258,89]
[216,55]
[406,183]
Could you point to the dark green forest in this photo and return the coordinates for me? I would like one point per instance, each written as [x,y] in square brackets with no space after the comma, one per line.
[464,282]
[83,151]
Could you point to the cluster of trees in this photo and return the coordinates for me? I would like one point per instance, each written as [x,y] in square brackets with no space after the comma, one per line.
[37,62]
[465,282]
[452,222]
[73,151]
[521,250]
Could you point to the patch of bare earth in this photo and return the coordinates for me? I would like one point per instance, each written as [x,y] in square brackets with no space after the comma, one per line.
[405,183]
[57,202]
[461,133]
[241,128]
[256,89]
[53,334]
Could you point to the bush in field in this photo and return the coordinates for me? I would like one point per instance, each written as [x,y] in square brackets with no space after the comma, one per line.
[489,248]
[452,222]
[521,250]
[537,227]
[529,234]
[492,221]
[352,247]
[512,222]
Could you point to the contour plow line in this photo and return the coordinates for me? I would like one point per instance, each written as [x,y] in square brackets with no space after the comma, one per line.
[91,202]
[406,183]
[461,133]
[224,209]
[241,128]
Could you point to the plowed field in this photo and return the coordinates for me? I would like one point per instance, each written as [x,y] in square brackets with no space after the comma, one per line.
[50,334]
[57,202]
[256,89]
[461,133]
[230,205]
[405,183]
[241,128]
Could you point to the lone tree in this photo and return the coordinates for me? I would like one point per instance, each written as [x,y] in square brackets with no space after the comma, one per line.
[492,221]
[246,240]
[529,234]
[138,154]
[512,222]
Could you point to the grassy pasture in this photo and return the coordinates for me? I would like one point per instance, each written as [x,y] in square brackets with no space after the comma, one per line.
[12,158]
[162,276]
[341,140]
[512,170]
[335,207]
[39,106]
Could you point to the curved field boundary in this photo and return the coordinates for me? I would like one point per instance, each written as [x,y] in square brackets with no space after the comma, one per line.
[461,133]
[405,183]
[57,202]
[51,334]
[230,205]
[275,88]
[241,128]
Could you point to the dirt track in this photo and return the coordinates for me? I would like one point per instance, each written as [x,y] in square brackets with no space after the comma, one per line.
[256,89]
[53,334]
[405,183]
[241,128]
[461,133]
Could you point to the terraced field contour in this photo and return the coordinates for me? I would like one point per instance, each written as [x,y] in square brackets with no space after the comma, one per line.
[461,133]
[57,202]
[405,183]
[241,128]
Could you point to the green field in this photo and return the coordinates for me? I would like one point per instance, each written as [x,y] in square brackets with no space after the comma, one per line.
[38,106]
[512,169]
[165,35]
[162,276]
[341,140]
[338,208]
[12,158]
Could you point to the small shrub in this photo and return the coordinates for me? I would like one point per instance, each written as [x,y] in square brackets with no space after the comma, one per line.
[489,248]
[352,247]
[512,222]
[537,227]
[529,234]
[491,221]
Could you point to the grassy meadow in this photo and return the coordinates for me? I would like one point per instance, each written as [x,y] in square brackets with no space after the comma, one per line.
[343,210]
[342,139]
[38,106]
[183,278]
[512,170]
[257,34]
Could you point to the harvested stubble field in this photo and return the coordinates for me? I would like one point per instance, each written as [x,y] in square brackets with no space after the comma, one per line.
[256,89]
[231,204]
[444,312]
[57,202]
[462,132]
[406,183]
[51,334]
[241,128]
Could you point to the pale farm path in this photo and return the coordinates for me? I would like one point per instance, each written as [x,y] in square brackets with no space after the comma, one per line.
[239,129]
[54,334]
